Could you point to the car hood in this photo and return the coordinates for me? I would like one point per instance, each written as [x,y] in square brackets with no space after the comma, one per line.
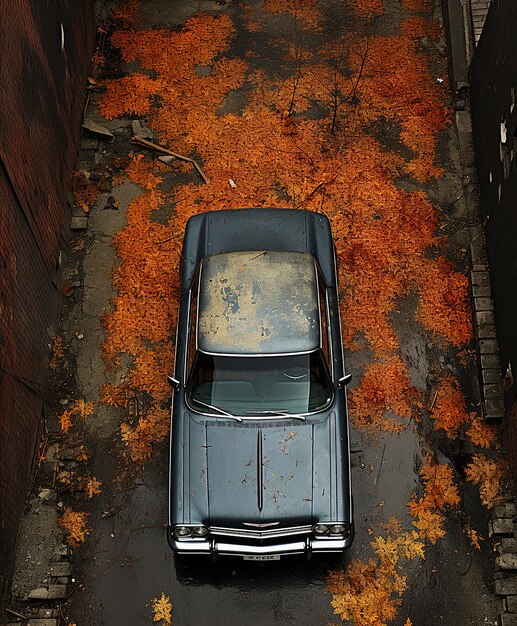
[239,472]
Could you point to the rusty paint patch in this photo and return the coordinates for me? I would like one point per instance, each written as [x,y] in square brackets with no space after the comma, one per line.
[259,303]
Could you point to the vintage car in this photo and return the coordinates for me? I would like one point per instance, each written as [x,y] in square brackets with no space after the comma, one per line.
[259,459]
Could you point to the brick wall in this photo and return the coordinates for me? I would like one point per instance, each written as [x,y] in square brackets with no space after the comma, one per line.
[45,48]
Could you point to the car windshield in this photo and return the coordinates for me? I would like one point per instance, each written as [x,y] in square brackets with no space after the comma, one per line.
[259,386]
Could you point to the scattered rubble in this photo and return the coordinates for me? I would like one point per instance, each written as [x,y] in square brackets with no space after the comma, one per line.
[43,571]
[79,222]
[98,130]
[111,204]
[140,129]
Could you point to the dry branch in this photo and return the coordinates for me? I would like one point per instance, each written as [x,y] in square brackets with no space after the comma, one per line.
[154,146]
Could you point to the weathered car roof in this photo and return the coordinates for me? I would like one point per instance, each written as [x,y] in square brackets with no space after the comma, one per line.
[258,302]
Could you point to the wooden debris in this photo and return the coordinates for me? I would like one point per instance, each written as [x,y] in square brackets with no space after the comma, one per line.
[153,146]
[434,400]
[16,614]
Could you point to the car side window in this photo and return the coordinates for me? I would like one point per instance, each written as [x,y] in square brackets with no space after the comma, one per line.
[192,325]
[324,322]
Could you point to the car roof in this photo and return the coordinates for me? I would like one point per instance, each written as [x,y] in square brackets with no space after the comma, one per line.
[258,303]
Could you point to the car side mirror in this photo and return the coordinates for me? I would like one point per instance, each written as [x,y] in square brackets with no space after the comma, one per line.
[344,380]
[174,383]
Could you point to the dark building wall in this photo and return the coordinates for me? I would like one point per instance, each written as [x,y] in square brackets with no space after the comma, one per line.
[493,89]
[45,48]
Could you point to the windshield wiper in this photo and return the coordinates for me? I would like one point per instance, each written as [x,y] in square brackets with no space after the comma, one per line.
[278,413]
[216,408]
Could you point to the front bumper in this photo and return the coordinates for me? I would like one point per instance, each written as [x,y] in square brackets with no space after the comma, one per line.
[215,547]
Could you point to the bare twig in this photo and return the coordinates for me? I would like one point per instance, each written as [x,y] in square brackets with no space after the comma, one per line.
[89,93]
[317,188]
[466,569]
[434,400]
[116,26]
[75,589]
[41,455]
[16,614]
[134,487]
[126,489]
[298,73]
[380,466]
[322,199]
[364,57]
[113,511]
[154,146]
[165,240]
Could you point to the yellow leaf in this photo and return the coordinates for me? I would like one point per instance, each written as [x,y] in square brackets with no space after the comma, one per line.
[74,524]
[162,609]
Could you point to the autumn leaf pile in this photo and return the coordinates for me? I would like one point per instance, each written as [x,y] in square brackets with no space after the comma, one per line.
[489,475]
[56,352]
[449,411]
[78,408]
[74,525]
[439,492]
[450,415]
[369,592]
[84,191]
[384,387]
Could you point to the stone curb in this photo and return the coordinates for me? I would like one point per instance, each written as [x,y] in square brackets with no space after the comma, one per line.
[503,530]
[487,348]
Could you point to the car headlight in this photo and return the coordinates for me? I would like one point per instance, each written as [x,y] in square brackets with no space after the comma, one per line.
[342,529]
[320,529]
[182,531]
[186,532]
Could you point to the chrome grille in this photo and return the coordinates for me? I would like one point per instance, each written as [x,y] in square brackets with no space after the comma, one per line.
[260,534]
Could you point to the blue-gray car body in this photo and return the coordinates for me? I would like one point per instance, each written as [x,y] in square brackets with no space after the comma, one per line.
[259,449]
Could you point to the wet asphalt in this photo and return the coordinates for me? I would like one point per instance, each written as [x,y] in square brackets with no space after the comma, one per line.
[126,561]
